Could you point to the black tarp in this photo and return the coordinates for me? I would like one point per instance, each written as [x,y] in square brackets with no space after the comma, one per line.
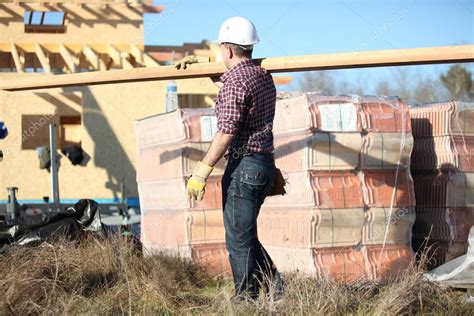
[3,130]
[72,223]
[74,153]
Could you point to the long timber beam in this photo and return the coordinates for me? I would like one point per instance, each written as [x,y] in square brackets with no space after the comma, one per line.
[362,59]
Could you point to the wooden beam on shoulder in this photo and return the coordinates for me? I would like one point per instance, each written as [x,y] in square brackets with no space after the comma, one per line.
[363,59]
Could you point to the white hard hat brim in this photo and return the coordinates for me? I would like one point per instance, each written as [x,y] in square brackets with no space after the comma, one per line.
[243,46]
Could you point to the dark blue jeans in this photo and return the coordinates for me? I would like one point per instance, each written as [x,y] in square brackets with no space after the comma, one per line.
[245,184]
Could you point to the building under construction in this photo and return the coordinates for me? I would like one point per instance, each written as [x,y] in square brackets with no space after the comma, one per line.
[60,37]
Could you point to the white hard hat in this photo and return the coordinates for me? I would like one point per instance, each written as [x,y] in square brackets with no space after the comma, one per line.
[238,30]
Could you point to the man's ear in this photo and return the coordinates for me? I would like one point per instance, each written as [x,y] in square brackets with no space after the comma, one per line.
[230,52]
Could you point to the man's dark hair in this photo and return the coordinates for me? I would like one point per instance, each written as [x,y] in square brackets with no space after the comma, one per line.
[241,51]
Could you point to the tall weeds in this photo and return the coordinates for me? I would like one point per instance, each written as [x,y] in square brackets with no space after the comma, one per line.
[97,276]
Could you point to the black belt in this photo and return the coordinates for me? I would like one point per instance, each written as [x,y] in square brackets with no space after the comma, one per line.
[237,155]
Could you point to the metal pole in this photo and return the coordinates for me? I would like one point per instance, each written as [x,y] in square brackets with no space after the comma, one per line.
[12,205]
[54,166]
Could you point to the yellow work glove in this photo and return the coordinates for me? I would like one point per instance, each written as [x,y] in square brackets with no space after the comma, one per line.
[197,182]
[191,59]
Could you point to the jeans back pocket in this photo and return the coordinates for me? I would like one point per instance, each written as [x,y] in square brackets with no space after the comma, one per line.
[253,177]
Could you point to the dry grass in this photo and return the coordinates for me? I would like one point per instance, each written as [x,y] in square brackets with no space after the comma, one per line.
[111,277]
[103,276]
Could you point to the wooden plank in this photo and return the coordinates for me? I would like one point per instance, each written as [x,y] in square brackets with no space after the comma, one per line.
[282,80]
[94,59]
[16,58]
[42,17]
[136,52]
[69,60]
[30,17]
[118,58]
[93,2]
[30,47]
[63,23]
[142,58]
[22,58]
[43,59]
[148,61]
[395,57]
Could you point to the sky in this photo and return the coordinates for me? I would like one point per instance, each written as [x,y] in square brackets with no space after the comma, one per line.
[290,28]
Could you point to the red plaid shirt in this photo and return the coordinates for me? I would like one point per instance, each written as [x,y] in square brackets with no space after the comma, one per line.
[245,108]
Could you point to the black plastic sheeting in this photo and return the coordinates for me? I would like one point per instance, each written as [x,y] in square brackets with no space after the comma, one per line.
[73,223]
[3,130]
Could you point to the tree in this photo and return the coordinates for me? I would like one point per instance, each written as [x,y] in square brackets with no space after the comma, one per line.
[403,78]
[458,81]
[428,90]
[411,84]
[318,81]
[383,88]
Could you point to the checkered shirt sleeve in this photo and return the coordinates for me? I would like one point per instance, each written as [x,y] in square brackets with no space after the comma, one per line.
[232,104]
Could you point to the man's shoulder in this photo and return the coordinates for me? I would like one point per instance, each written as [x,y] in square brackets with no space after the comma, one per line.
[250,75]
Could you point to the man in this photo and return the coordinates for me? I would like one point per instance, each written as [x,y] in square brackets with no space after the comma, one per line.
[245,108]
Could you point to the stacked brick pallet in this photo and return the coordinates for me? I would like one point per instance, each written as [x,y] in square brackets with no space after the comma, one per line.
[169,145]
[443,171]
[349,209]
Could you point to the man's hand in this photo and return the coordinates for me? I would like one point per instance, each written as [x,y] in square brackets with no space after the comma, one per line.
[197,183]
[182,64]
[191,59]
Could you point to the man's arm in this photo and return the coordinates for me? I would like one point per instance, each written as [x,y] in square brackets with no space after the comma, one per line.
[203,169]
[218,147]
[231,106]
[228,120]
